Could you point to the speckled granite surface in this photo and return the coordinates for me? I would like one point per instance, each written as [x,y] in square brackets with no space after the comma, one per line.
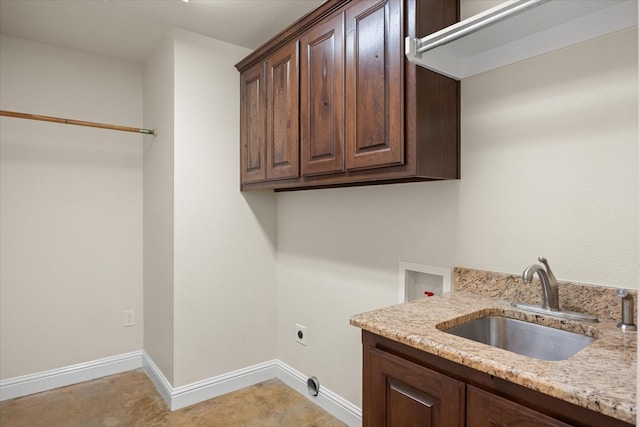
[597,300]
[601,377]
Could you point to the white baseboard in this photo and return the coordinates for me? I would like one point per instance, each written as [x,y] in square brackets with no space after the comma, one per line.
[334,404]
[54,378]
[180,397]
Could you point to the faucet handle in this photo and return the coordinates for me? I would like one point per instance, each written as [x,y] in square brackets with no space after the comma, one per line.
[543,260]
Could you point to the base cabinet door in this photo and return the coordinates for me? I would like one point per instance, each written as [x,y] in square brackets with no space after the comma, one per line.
[486,409]
[401,393]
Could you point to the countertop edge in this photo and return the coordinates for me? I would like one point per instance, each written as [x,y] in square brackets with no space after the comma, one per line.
[607,405]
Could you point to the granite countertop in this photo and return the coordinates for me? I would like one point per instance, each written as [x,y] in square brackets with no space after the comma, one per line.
[601,377]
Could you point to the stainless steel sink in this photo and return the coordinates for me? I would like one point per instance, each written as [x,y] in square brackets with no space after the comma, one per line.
[529,339]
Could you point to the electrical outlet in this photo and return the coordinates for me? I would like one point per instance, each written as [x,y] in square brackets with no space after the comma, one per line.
[129,318]
[301,334]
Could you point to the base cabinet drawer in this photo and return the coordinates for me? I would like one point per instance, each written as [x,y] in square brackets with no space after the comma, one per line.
[486,409]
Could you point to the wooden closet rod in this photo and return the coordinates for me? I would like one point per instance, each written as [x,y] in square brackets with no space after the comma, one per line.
[76,122]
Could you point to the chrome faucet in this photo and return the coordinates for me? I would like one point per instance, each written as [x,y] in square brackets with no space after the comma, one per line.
[550,298]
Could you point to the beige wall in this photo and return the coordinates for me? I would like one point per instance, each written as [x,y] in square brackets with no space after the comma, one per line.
[555,140]
[224,271]
[209,250]
[70,209]
[549,167]
[159,207]
[73,207]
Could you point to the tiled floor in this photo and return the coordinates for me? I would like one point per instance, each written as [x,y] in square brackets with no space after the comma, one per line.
[130,399]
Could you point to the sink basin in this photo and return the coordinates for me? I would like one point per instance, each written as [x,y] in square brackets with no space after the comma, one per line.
[529,339]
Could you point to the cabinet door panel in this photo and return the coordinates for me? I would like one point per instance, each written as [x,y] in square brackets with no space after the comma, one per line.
[402,393]
[282,113]
[322,97]
[374,81]
[486,409]
[409,406]
[252,125]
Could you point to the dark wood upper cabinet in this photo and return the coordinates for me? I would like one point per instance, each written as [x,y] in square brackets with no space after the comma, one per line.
[322,97]
[283,140]
[269,125]
[374,85]
[253,125]
[355,112]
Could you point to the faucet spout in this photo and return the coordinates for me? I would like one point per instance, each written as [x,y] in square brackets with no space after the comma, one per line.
[549,285]
[554,300]
[550,300]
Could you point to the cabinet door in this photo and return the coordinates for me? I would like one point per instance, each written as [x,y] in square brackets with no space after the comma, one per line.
[486,409]
[282,113]
[374,82]
[322,97]
[253,124]
[400,393]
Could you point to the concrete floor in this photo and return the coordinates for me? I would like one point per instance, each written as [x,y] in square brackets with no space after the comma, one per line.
[130,399]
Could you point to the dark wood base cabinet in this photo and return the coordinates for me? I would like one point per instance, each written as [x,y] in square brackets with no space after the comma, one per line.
[406,394]
[332,101]
[405,387]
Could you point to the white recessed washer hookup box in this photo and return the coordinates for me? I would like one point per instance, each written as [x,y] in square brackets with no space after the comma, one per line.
[422,281]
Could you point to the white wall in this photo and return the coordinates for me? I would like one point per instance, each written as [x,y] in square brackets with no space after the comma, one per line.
[549,167]
[158,207]
[209,250]
[73,207]
[560,137]
[224,277]
[70,209]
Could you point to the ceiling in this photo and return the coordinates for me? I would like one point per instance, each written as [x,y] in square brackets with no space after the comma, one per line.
[130,29]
